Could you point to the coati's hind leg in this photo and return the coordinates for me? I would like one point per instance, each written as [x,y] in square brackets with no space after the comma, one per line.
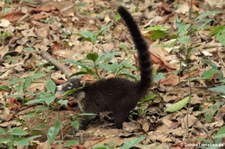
[119,117]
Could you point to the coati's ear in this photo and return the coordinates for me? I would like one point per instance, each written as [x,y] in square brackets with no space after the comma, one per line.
[82,82]
[87,79]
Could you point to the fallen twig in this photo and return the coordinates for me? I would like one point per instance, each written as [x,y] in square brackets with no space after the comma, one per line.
[54,62]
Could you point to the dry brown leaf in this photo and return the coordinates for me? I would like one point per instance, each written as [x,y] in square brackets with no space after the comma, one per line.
[88,78]
[3,50]
[37,86]
[14,16]
[64,53]
[183,8]
[216,3]
[45,8]
[12,123]
[191,121]
[164,9]
[171,80]
[37,17]
[56,47]
[158,56]
[13,104]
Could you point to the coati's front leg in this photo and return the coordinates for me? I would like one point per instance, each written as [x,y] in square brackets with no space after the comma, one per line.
[120,115]
[85,120]
[83,105]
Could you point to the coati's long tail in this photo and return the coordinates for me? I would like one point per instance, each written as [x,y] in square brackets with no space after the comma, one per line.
[141,46]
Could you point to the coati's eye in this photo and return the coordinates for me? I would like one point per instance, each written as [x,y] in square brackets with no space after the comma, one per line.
[69,86]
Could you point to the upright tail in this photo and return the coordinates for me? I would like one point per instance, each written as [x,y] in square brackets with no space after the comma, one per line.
[142,48]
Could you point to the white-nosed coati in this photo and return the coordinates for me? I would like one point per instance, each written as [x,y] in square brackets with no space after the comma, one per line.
[118,95]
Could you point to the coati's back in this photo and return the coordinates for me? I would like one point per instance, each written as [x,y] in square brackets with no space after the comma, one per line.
[117,94]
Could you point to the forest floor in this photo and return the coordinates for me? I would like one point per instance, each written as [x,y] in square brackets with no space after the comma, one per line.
[184,108]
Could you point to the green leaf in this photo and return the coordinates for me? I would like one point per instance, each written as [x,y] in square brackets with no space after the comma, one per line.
[101,147]
[149,97]
[178,105]
[208,13]
[92,56]
[48,98]
[129,74]
[219,135]
[158,77]
[43,98]
[17,131]
[110,67]
[103,29]
[216,29]
[70,143]
[209,113]
[184,39]
[37,75]
[63,102]
[159,28]
[4,88]
[209,74]
[75,124]
[220,89]
[132,142]
[40,127]
[106,57]
[2,131]
[220,36]
[34,101]
[28,49]
[117,17]
[157,34]
[50,86]
[5,140]
[24,141]
[89,36]
[183,29]
[21,142]
[27,82]
[88,69]
[53,131]
[124,47]
[221,131]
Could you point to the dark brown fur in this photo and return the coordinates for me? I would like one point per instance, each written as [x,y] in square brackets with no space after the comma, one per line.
[116,94]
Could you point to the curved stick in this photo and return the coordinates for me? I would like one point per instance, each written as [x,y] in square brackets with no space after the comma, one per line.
[54,62]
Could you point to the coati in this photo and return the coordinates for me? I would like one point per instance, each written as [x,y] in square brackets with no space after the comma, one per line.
[118,95]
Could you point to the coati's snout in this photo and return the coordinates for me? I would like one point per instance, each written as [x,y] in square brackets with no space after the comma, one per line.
[71,85]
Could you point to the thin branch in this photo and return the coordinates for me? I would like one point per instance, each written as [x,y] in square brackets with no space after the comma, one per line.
[54,62]
[190,9]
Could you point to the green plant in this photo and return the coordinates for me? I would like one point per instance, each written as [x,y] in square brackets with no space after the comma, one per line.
[93,64]
[157,32]
[46,97]
[4,36]
[53,131]
[132,142]
[16,136]
[213,71]
[21,85]
[7,1]
[143,105]
[93,36]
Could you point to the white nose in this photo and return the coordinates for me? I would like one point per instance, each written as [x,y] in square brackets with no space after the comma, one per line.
[59,88]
